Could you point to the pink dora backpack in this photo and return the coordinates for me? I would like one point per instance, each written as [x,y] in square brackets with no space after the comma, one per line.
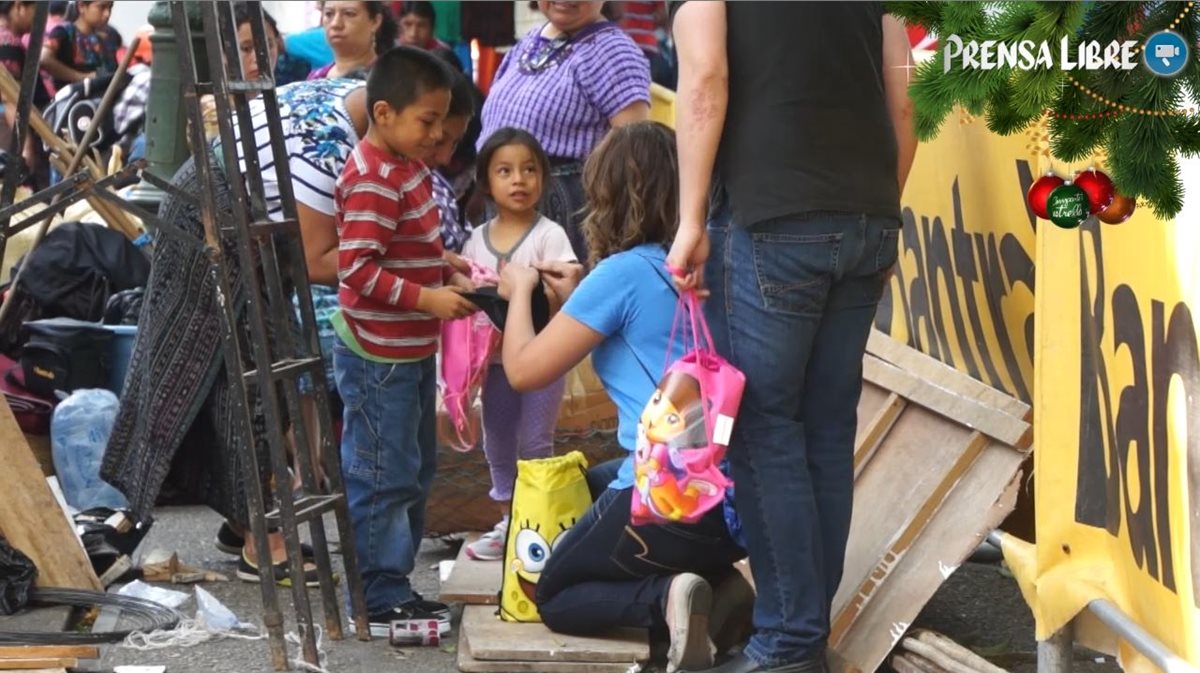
[467,347]
[685,428]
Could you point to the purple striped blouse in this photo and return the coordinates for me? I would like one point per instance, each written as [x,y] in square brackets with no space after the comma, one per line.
[566,105]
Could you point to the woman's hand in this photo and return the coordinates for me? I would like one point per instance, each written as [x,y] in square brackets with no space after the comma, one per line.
[561,278]
[517,279]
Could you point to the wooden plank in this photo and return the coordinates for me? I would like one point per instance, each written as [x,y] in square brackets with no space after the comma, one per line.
[959,408]
[30,664]
[30,516]
[871,438]
[911,462]
[941,374]
[985,496]
[495,640]
[467,663]
[472,582]
[907,537]
[49,651]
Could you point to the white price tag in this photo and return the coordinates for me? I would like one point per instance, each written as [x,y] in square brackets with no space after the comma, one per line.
[722,429]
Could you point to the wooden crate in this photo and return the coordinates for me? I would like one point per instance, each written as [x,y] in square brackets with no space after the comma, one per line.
[937,466]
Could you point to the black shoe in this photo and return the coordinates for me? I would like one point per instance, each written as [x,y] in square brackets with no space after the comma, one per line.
[248,572]
[231,543]
[381,623]
[439,609]
[740,663]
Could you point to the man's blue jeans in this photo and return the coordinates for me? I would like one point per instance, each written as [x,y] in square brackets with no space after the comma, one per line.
[389,457]
[792,304]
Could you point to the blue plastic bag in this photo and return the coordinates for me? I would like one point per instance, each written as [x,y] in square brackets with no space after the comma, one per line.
[79,433]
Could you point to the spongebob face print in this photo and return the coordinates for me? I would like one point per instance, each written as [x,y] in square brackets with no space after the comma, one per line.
[548,498]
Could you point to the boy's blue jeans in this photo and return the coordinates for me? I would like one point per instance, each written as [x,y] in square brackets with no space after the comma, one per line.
[792,304]
[389,457]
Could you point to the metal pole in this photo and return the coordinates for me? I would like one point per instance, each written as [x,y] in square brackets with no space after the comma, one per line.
[1056,654]
[1149,646]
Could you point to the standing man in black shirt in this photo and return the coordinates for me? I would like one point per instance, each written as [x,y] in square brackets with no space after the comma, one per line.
[796,115]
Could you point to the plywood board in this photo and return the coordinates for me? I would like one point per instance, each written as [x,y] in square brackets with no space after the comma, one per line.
[31,519]
[472,582]
[495,640]
[467,663]
[937,466]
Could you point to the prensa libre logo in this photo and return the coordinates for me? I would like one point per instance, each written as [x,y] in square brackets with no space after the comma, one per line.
[1030,55]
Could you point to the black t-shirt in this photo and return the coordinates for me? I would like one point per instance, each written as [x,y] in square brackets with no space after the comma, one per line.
[807,127]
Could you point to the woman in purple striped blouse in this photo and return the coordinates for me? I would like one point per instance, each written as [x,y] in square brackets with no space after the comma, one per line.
[568,82]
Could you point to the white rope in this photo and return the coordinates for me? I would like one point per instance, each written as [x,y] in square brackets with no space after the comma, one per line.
[192,632]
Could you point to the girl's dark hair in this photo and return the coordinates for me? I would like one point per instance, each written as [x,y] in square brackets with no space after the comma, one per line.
[632,187]
[462,96]
[389,30]
[501,138]
[241,14]
[6,7]
[420,8]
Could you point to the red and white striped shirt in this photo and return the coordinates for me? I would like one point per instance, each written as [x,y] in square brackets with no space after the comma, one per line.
[389,247]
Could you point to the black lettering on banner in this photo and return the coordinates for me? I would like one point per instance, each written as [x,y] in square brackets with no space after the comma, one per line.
[950,268]
[1117,442]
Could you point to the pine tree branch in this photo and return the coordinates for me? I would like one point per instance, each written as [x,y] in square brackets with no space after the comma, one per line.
[926,14]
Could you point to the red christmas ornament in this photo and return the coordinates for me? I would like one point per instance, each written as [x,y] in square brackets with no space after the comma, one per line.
[1118,211]
[1040,191]
[1098,187]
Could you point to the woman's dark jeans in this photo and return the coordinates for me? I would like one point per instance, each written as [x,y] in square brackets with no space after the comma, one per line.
[607,573]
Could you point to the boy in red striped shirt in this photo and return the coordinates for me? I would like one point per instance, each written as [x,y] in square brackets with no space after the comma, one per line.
[394,290]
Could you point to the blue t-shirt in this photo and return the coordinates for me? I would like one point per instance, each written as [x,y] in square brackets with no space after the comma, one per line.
[629,299]
[310,45]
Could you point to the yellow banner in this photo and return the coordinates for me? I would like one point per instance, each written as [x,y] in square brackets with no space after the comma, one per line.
[1116,387]
[1117,405]
[963,289]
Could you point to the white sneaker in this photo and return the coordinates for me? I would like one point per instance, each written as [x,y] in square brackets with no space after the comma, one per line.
[490,545]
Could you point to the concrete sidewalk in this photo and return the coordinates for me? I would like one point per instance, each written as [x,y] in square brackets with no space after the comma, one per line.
[979,606]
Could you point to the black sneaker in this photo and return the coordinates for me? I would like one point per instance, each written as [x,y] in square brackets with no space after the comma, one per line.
[249,572]
[231,543]
[381,623]
[439,609]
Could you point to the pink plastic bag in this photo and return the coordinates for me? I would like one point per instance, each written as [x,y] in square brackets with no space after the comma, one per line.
[467,347]
[685,428]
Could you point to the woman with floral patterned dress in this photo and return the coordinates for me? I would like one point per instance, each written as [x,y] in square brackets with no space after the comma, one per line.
[187,431]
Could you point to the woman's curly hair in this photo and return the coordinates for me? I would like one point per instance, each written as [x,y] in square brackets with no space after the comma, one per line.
[632,186]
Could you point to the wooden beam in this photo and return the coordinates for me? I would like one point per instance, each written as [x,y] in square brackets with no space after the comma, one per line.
[49,651]
[31,519]
[875,432]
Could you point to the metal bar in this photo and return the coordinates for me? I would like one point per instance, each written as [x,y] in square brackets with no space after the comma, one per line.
[330,456]
[222,66]
[1142,641]
[30,76]
[1056,654]
[62,202]
[171,189]
[327,454]
[147,217]
[106,103]
[272,617]
[43,196]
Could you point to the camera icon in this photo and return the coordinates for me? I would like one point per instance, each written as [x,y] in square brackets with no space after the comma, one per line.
[1165,53]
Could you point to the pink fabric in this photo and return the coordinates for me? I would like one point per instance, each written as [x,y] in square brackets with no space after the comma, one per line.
[467,345]
[685,428]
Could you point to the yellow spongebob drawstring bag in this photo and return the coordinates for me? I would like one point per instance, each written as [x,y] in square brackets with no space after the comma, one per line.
[550,495]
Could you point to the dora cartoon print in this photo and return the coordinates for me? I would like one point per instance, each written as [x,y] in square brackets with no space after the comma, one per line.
[670,477]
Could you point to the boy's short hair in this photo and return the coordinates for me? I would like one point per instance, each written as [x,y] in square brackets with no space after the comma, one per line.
[402,75]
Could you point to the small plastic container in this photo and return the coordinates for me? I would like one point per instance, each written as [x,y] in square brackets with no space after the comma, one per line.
[122,352]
